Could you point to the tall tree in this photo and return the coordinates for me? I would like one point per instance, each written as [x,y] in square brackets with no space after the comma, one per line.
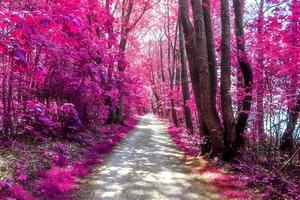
[211,54]
[246,70]
[226,101]
[260,74]
[197,56]
[184,81]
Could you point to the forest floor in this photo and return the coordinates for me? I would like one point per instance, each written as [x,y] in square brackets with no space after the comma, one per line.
[147,165]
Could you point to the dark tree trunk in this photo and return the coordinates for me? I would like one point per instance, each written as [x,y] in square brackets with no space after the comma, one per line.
[10,102]
[286,142]
[184,81]
[197,57]
[190,43]
[246,71]
[4,104]
[172,73]
[226,100]
[212,63]
[209,120]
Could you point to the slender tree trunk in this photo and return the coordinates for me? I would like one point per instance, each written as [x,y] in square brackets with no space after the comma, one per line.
[4,104]
[246,71]
[260,78]
[184,81]
[10,102]
[161,61]
[226,101]
[172,75]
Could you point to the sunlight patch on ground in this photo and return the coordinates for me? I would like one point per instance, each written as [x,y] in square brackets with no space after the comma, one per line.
[228,185]
[146,166]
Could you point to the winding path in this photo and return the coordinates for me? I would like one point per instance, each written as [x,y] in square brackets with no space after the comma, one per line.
[146,166]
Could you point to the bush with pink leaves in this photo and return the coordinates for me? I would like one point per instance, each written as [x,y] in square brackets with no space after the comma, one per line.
[13,192]
[57,184]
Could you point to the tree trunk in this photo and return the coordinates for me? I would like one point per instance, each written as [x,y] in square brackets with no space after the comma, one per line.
[184,82]
[197,56]
[172,68]
[10,102]
[209,120]
[4,104]
[259,123]
[226,101]
[286,142]
[190,44]
[246,70]
[212,63]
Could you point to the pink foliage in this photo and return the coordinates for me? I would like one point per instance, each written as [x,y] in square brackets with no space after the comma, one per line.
[16,191]
[184,141]
[56,184]
[80,170]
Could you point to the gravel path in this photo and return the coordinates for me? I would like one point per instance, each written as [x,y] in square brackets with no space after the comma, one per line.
[145,166]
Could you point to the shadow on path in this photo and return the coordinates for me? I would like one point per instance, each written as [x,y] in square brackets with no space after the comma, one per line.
[145,166]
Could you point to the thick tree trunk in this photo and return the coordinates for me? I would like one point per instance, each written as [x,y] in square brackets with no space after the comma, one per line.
[190,43]
[209,120]
[226,100]
[212,63]
[246,71]
[197,56]
[184,81]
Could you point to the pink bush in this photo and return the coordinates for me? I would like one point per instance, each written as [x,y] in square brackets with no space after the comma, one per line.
[56,184]
[19,193]
[11,192]
[80,170]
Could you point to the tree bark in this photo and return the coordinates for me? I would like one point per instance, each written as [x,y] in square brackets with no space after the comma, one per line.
[246,70]
[184,82]
[172,68]
[212,63]
[197,56]
[209,120]
[226,100]
[190,44]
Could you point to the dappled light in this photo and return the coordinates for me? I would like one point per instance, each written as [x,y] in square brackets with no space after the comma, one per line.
[229,185]
[146,165]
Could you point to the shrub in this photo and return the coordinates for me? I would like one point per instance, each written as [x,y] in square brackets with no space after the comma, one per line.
[56,184]
[35,122]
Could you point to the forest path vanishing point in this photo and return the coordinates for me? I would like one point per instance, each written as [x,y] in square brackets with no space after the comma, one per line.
[146,166]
